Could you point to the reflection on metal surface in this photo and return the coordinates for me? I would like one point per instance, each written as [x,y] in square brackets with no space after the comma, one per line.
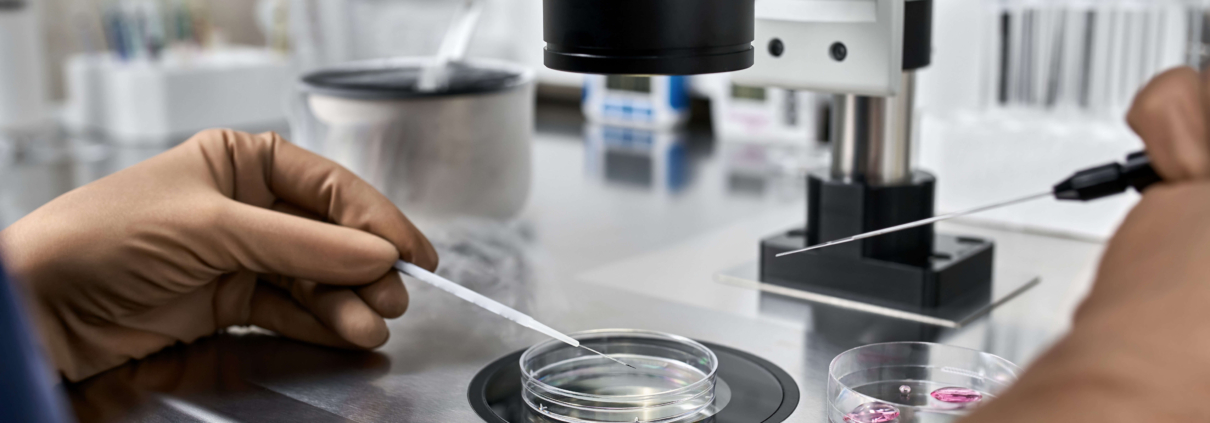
[740,183]
[437,159]
[1005,288]
[225,375]
[758,169]
[194,411]
[489,256]
[648,158]
[628,167]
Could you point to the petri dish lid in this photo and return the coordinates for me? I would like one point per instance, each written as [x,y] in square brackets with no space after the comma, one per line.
[673,378]
[394,79]
[901,377]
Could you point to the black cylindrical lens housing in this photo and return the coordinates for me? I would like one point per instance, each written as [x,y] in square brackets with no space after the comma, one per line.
[917,34]
[648,37]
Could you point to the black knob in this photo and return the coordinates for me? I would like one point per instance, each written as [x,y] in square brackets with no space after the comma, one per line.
[776,47]
[839,51]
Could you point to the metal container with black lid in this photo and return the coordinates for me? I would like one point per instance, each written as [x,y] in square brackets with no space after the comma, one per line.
[460,150]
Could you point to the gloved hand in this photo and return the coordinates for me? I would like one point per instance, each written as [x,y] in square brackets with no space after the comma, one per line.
[1138,347]
[226,229]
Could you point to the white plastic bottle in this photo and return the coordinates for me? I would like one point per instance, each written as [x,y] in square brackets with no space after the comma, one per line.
[22,77]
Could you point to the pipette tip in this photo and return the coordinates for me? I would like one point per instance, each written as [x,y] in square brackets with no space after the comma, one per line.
[611,358]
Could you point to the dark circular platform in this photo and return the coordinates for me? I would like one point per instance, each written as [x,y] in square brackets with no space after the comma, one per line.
[761,392]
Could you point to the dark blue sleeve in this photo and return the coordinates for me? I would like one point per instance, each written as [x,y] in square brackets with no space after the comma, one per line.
[27,388]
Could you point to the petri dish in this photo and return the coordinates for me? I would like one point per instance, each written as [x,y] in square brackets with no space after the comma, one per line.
[913,382]
[673,379]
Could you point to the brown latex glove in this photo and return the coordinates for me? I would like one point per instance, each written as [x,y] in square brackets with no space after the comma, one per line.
[226,229]
[1139,350]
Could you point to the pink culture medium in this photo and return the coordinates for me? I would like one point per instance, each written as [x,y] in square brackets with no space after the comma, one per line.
[873,412]
[957,395]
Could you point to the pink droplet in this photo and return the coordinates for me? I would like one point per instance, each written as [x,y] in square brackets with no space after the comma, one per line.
[873,412]
[957,395]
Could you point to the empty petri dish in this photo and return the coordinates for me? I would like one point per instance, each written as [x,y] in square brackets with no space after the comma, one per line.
[913,382]
[673,379]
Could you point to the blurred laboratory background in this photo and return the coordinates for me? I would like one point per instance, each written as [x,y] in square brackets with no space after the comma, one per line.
[649,185]
[1016,88]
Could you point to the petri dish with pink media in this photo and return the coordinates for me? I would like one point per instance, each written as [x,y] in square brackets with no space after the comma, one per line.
[913,382]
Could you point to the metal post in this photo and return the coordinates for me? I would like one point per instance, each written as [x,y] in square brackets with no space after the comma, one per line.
[872,136]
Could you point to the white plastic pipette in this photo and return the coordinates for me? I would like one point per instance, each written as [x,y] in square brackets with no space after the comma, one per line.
[490,305]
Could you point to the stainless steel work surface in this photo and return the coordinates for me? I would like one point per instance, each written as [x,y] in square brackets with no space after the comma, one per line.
[591,250]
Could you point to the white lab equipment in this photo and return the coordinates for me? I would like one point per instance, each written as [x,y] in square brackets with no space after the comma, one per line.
[638,101]
[143,101]
[769,115]
[867,53]
[23,95]
[1021,91]
[1081,55]
[833,46]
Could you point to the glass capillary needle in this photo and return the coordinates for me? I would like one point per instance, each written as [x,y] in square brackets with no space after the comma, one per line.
[920,223]
[606,356]
[1086,185]
[490,305]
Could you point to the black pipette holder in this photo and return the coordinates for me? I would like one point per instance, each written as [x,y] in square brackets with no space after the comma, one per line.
[1109,179]
[915,268]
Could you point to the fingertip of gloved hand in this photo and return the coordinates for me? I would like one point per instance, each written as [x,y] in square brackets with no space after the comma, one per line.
[362,330]
[431,260]
[385,337]
[1157,95]
[393,307]
[423,254]
[349,316]
[387,296]
[373,338]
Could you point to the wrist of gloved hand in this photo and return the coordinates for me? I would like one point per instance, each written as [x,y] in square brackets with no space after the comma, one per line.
[54,338]
[47,328]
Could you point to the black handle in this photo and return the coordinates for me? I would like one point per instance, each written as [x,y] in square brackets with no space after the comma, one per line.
[1109,179]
